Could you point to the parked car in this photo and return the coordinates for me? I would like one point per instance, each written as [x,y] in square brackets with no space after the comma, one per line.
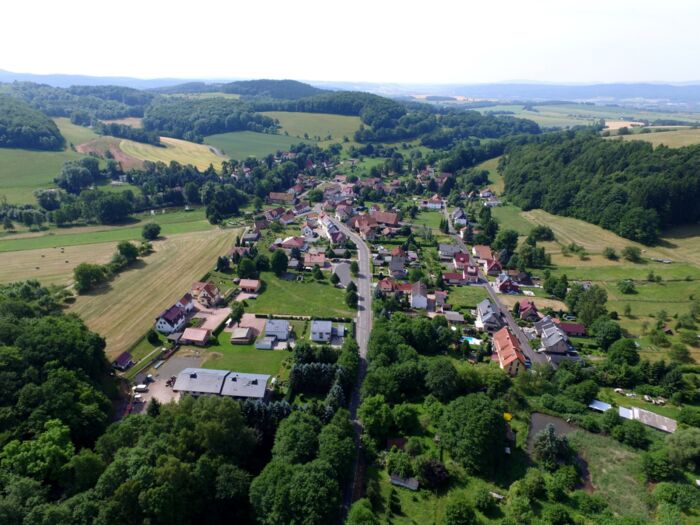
[141,388]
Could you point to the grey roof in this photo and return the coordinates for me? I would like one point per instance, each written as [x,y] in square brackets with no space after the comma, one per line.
[553,337]
[449,249]
[200,381]
[266,343]
[600,406]
[276,325]
[454,317]
[238,384]
[321,326]
[486,311]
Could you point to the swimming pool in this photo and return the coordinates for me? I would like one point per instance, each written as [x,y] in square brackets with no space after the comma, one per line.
[473,341]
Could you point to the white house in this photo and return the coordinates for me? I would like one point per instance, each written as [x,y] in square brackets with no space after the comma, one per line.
[171,320]
[277,328]
[321,331]
[186,303]
[419,296]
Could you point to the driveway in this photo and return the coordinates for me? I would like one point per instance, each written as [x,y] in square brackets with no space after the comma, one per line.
[212,317]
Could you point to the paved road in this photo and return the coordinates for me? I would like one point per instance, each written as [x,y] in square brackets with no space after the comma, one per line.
[504,311]
[363,328]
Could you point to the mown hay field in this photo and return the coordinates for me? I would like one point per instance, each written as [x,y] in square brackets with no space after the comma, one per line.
[125,309]
[243,144]
[316,125]
[182,151]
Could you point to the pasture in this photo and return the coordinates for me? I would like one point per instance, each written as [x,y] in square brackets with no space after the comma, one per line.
[318,126]
[243,144]
[182,151]
[124,309]
[677,138]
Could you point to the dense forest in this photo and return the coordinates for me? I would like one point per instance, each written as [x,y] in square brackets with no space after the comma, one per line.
[192,119]
[102,102]
[630,188]
[263,88]
[24,127]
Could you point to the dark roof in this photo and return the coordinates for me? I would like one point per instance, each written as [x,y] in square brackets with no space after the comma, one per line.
[123,359]
[172,314]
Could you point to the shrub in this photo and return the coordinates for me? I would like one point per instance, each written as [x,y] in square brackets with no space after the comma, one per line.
[150,231]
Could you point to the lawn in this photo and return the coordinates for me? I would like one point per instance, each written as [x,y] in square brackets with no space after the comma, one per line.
[431,219]
[315,299]
[223,355]
[316,125]
[171,223]
[182,151]
[243,144]
[463,297]
[125,309]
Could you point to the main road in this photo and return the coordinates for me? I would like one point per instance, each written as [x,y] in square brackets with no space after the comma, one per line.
[505,314]
[363,327]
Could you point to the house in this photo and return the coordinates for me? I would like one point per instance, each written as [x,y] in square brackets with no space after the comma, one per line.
[492,267]
[301,208]
[123,361]
[250,237]
[453,278]
[552,338]
[171,320]
[260,224]
[238,385]
[507,348]
[337,238]
[487,319]
[343,212]
[290,243]
[266,343]
[281,197]
[397,267]
[573,329]
[419,296]
[437,301]
[386,218]
[470,274]
[433,203]
[453,317]
[242,336]
[274,213]
[482,253]
[186,302]
[386,285]
[485,193]
[448,251]
[206,293]
[250,285]
[505,284]
[363,221]
[195,336]
[296,189]
[237,252]
[312,259]
[277,328]
[460,260]
[492,202]
[288,218]
[459,217]
[528,311]
[321,331]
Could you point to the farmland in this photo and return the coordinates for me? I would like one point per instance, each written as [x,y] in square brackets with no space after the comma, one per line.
[124,310]
[316,125]
[673,139]
[171,223]
[182,151]
[243,144]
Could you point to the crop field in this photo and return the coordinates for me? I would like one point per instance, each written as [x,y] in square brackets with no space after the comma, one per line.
[316,125]
[243,144]
[124,309]
[134,122]
[299,298]
[673,139]
[572,114]
[182,151]
[171,223]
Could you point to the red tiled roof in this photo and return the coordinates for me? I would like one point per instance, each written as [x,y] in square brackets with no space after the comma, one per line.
[507,347]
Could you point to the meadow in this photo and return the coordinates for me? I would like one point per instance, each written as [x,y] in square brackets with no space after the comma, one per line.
[673,139]
[125,309]
[317,299]
[316,125]
[171,223]
[223,355]
[496,180]
[182,151]
[243,144]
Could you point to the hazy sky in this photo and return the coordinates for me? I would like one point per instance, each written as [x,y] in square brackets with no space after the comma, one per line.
[433,41]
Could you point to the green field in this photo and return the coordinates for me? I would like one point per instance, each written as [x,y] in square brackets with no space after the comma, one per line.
[466,297]
[221,354]
[171,223]
[244,144]
[73,133]
[299,298]
[572,114]
[496,180]
[673,139]
[316,125]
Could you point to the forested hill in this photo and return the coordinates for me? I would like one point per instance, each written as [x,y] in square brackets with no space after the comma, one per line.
[21,126]
[627,187]
[274,89]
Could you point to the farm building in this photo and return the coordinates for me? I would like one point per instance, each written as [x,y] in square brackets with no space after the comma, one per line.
[250,285]
[242,336]
[206,382]
[195,336]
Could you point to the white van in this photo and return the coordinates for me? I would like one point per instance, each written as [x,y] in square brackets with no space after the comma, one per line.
[141,388]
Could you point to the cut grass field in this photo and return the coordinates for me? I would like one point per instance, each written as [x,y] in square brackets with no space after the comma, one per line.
[317,299]
[243,144]
[122,311]
[672,139]
[73,133]
[171,223]
[466,297]
[182,151]
[316,125]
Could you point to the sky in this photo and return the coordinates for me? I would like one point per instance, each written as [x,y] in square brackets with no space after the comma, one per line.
[386,41]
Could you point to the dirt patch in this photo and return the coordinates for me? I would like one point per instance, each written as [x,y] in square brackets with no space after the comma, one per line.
[100,147]
[540,302]
[212,317]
